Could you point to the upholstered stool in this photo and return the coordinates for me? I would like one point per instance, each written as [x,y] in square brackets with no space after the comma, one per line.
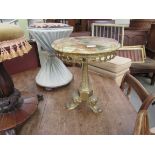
[14,110]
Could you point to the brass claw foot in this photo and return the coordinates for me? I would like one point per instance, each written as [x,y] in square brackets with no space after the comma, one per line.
[92,105]
[95,109]
[75,103]
[71,106]
[84,94]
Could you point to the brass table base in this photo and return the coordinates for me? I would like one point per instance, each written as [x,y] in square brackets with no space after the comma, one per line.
[90,100]
[84,94]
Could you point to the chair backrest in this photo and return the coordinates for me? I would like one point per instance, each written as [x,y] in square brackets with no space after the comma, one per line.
[132,82]
[137,53]
[142,121]
[109,31]
[103,21]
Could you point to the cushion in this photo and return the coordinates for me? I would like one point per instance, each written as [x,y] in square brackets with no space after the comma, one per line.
[148,64]
[115,65]
[135,53]
[117,77]
[10,32]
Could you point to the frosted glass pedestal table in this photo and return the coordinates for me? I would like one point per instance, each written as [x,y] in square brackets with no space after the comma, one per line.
[53,72]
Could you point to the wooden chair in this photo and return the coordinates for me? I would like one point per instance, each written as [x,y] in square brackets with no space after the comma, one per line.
[149,66]
[142,121]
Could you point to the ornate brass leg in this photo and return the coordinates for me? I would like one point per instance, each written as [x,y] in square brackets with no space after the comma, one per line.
[85,94]
[92,104]
[75,103]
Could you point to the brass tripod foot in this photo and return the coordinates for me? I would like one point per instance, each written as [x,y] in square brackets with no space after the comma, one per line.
[92,104]
[84,94]
[75,103]
[72,105]
[79,98]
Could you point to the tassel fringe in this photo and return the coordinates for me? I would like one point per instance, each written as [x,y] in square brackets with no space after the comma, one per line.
[17,47]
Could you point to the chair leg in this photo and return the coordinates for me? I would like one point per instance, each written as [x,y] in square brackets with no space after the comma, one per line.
[153,79]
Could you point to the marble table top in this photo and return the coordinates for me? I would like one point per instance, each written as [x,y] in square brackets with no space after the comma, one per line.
[85,45]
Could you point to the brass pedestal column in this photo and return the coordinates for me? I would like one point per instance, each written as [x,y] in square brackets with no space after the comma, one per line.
[84,94]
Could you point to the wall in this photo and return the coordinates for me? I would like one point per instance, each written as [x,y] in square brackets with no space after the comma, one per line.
[24,24]
[122,21]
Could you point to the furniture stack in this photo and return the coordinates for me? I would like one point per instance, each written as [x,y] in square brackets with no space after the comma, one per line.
[132,41]
[148,66]
[114,69]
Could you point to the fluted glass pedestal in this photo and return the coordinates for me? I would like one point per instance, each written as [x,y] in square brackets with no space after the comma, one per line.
[53,72]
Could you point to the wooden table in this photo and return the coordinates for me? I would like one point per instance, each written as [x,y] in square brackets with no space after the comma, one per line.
[118,115]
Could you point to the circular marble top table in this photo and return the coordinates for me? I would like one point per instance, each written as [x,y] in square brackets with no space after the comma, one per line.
[85,49]
[53,72]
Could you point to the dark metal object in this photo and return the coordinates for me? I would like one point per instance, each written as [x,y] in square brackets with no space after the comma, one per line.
[6,83]
[10,103]
[40,97]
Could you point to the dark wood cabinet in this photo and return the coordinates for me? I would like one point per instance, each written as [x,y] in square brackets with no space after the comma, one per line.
[135,37]
[151,38]
[141,23]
